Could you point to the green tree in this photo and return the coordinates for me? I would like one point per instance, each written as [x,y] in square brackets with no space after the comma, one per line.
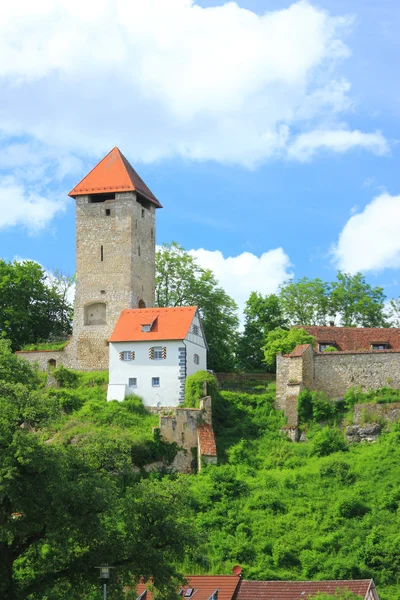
[33,306]
[283,340]
[180,281]
[393,312]
[62,513]
[356,302]
[305,301]
[262,314]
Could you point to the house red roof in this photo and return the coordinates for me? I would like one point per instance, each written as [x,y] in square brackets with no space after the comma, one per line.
[302,590]
[166,324]
[299,350]
[204,586]
[353,339]
[207,440]
[113,174]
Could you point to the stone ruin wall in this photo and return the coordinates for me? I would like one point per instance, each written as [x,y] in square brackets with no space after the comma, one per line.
[333,373]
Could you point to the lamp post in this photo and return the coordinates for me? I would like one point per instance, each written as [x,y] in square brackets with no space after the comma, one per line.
[105,572]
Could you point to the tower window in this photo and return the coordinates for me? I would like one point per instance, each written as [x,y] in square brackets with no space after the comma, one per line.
[138,250]
[96,198]
[152,233]
[101,253]
[142,213]
[108,212]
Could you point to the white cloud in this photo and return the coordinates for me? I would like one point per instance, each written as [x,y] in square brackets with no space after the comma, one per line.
[240,275]
[370,240]
[340,140]
[163,78]
[30,209]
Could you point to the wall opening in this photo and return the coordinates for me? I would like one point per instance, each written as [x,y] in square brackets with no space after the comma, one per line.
[96,198]
[95,314]
[101,253]
[52,363]
[142,303]
[108,212]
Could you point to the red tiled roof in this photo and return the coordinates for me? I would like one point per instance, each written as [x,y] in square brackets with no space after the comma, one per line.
[353,339]
[299,350]
[298,590]
[204,586]
[113,174]
[207,440]
[168,324]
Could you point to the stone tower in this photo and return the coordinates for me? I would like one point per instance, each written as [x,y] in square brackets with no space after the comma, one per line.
[115,255]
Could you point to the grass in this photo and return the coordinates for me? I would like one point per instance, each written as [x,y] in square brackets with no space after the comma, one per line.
[55,346]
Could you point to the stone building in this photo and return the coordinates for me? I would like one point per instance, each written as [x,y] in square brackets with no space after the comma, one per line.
[152,351]
[365,357]
[115,259]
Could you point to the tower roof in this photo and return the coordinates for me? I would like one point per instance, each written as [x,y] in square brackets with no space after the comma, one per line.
[113,174]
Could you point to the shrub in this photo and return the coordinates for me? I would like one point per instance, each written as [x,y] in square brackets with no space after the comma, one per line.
[327,441]
[337,471]
[195,389]
[315,406]
[350,508]
[65,377]
[330,349]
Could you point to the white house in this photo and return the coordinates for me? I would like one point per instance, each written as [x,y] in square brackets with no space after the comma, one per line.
[152,351]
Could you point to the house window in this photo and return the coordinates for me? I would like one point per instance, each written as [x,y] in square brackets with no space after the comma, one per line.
[155,381]
[383,346]
[196,359]
[132,382]
[158,353]
[127,355]
[195,329]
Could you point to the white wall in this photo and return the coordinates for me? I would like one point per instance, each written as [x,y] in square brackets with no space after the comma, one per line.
[144,369]
[191,350]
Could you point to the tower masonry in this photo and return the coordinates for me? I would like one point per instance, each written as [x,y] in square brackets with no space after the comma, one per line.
[115,254]
[115,260]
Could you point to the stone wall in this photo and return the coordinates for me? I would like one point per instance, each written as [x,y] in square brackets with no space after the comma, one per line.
[333,373]
[181,427]
[388,412]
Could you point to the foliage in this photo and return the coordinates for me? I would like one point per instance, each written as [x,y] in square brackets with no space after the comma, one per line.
[305,301]
[338,595]
[69,496]
[313,301]
[285,341]
[262,314]
[33,306]
[393,312]
[330,349]
[315,406]
[180,281]
[55,346]
[327,441]
[197,386]
[65,377]
[384,395]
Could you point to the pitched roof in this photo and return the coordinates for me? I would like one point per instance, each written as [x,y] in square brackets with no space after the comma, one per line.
[299,590]
[167,324]
[353,339]
[299,350]
[207,440]
[204,586]
[113,174]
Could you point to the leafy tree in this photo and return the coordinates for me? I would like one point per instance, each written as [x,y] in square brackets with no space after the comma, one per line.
[32,306]
[180,281]
[262,314]
[305,301]
[393,312]
[63,512]
[283,340]
[356,302]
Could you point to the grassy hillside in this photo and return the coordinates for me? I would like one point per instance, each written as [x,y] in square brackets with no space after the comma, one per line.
[280,510]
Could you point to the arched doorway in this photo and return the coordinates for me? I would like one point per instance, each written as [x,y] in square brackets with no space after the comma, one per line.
[142,303]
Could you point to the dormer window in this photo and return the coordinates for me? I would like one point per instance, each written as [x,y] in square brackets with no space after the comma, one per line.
[324,345]
[146,328]
[380,346]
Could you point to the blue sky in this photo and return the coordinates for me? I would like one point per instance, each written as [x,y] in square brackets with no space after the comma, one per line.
[269,130]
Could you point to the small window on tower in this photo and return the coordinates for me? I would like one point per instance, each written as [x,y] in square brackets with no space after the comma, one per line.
[138,250]
[152,233]
[108,212]
[101,253]
[142,213]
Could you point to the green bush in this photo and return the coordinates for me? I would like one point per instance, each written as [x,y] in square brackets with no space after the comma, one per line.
[351,508]
[197,386]
[327,441]
[330,349]
[65,378]
[315,406]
